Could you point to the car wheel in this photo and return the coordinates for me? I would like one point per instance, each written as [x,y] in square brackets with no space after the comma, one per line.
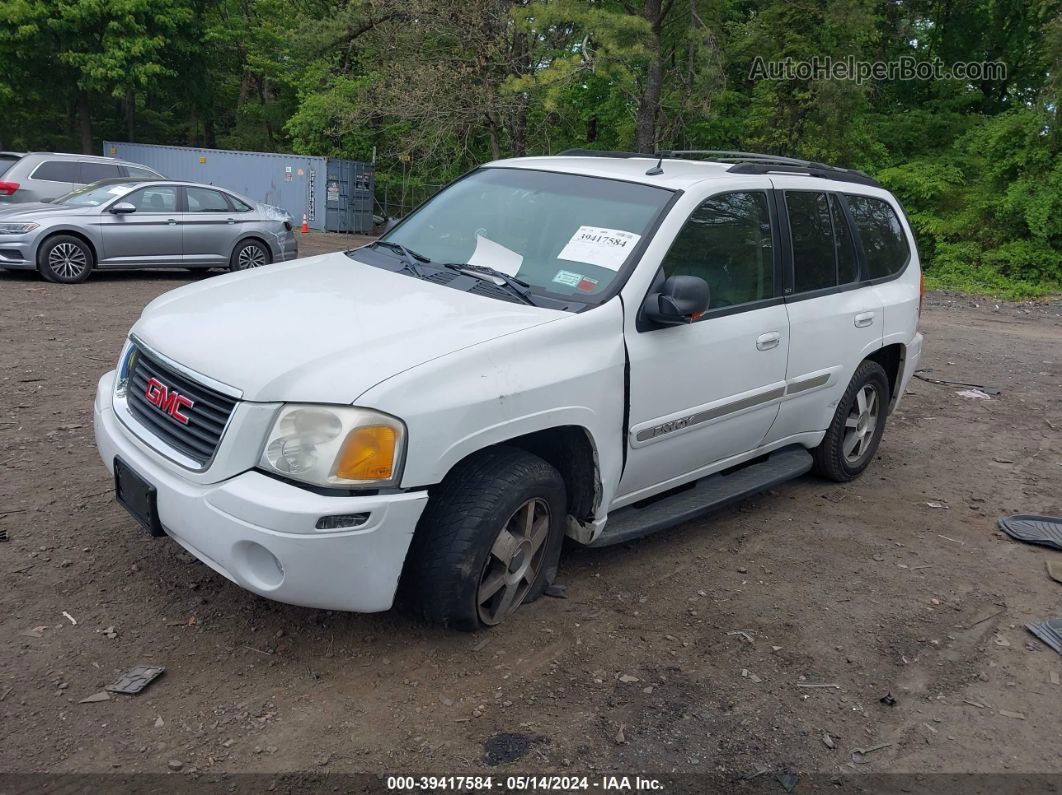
[488,542]
[65,259]
[857,426]
[249,254]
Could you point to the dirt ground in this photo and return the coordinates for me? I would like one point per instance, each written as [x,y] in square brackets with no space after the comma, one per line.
[758,641]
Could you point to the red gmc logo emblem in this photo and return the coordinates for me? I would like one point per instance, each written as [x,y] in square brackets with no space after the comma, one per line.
[169,400]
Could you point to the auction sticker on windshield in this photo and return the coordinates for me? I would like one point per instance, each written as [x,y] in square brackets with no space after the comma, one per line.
[596,245]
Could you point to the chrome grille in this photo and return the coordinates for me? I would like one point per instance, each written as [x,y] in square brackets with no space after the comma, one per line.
[207,416]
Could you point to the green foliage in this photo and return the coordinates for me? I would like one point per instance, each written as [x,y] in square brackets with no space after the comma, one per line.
[988,210]
[434,88]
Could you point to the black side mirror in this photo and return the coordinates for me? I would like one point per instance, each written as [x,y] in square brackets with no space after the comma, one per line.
[681,300]
[123,208]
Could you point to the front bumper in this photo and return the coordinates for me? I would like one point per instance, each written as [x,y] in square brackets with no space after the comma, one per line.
[260,532]
[16,252]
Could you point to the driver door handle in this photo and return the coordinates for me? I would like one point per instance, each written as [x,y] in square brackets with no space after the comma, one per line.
[765,342]
[171,221]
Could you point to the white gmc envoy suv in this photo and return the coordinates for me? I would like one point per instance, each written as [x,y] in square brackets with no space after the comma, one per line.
[598,345]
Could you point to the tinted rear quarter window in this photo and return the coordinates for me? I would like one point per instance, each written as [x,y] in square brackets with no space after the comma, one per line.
[58,171]
[91,172]
[884,244]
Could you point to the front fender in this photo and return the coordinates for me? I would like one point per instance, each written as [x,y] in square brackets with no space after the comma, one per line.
[565,373]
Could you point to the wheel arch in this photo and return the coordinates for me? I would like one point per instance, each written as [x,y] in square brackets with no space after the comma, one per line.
[248,238]
[571,450]
[72,233]
[891,358]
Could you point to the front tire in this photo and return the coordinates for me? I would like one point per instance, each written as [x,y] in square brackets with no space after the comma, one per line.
[489,541]
[249,254]
[65,259]
[857,426]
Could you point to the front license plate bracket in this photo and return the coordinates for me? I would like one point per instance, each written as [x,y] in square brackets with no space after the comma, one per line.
[138,497]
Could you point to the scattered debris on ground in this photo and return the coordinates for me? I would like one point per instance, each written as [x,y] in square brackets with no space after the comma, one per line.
[507,747]
[136,679]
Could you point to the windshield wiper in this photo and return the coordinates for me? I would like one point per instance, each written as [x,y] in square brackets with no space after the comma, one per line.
[517,287]
[409,257]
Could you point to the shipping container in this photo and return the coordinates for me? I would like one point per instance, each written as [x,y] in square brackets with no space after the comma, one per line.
[335,195]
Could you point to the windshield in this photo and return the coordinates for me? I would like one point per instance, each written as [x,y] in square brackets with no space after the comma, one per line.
[95,194]
[560,233]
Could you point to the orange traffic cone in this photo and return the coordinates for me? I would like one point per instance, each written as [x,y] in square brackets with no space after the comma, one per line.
[305,226]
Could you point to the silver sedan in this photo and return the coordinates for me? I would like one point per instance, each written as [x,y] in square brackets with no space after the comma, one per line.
[129,223]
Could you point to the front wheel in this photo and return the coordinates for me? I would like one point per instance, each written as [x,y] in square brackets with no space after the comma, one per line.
[65,259]
[249,254]
[489,540]
[857,426]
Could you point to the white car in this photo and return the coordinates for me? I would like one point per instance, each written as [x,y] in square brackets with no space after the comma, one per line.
[581,345]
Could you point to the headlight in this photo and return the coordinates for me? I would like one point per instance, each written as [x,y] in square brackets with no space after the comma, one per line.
[335,446]
[125,364]
[17,229]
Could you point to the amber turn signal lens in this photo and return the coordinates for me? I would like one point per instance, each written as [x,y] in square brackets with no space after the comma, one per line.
[368,454]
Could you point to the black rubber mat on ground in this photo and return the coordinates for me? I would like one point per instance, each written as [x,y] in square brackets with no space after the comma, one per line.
[1049,631]
[1033,529]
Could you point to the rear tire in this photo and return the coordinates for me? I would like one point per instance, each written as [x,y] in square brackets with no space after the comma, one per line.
[65,259]
[249,254]
[489,540]
[857,426]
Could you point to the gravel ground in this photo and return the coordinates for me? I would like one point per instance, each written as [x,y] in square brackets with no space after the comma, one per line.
[760,640]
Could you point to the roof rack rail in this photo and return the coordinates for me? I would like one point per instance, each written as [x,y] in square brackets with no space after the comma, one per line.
[753,163]
[813,170]
[741,163]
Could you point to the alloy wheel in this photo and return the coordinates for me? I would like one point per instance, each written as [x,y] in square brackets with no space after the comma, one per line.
[861,423]
[514,562]
[67,260]
[251,257]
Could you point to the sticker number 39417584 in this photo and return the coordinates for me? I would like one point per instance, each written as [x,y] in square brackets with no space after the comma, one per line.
[596,245]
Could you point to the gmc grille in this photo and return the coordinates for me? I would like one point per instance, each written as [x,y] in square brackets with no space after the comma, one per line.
[207,417]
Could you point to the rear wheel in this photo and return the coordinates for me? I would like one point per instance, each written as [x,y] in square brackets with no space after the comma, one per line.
[249,254]
[857,426]
[489,540]
[65,259]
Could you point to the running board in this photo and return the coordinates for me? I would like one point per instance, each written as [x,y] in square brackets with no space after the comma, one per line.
[710,494]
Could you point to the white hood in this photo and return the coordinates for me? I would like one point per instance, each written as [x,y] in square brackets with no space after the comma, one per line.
[323,329]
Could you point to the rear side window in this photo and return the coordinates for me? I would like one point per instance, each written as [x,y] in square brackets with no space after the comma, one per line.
[90,172]
[884,244]
[58,171]
[727,242]
[847,264]
[201,200]
[241,207]
[811,229]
